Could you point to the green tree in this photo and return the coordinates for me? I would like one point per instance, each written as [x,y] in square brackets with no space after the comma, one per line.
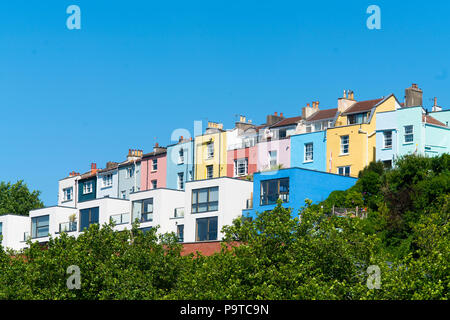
[18,199]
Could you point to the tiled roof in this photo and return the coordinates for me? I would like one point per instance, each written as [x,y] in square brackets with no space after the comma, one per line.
[112,167]
[287,122]
[430,119]
[87,175]
[323,114]
[363,106]
[155,153]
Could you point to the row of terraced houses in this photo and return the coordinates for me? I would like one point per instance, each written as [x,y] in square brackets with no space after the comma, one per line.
[199,184]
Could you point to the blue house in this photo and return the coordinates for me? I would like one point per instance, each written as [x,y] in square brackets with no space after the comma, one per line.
[293,186]
[309,150]
[180,164]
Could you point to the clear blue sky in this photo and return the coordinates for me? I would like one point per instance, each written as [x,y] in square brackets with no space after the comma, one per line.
[139,69]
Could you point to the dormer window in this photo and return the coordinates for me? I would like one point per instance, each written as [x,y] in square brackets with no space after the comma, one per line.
[357,118]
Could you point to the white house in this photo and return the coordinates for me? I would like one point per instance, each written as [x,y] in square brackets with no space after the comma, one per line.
[14,231]
[211,204]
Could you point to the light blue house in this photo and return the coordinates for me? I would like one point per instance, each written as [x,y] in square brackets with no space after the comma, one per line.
[409,130]
[108,181]
[293,186]
[308,150]
[129,174]
[180,164]
[309,147]
[442,116]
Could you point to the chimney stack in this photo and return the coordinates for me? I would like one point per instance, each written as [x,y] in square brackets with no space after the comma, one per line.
[347,101]
[435,106]
[94,167]
[308,111]
[413,96]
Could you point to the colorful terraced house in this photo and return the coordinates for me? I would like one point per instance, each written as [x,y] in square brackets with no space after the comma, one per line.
[211,153]
[351,143]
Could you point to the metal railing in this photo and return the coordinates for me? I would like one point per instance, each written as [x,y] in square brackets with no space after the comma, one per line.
[122,218]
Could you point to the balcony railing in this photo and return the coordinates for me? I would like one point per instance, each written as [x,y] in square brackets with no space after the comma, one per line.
[268,199]
[122,218]
[68,226]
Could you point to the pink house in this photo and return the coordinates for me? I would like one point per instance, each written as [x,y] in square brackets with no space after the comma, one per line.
[154,169]
[242,162]
[274,153]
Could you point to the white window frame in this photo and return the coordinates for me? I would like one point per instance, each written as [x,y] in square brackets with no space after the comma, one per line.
[386,139]
[66,193]
[212,172]
[180,180]
[181,156]
[273,156]
[107,180]
[237,165]
[409,134]
[154,184]
[309,154]
[155,164]
[344,145]
[210,150]
[130,172]
[87,187]
[343,168]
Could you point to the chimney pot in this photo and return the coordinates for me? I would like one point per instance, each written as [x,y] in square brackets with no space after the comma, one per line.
[281,114]
[276,113]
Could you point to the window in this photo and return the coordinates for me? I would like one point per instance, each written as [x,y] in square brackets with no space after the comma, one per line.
[87,187]
[40,226]
[317,126]
[130,172]
[107,180]
[241,167]
[120,218]
[344,144]
[204,200]
[181,156]
[88,217]
[309,153]
[1,228]
[344,171]
[282,133]
[387,164]
[154,164]
[143,210]
[154,184]
[209,172]
[357,118]
[387,139]
[145,230]
[178,212]
[180,181]
[210,150]
[308,127]
[123,194]
[272,158]
[272,190]
[180,232]
[409,134]
[68,192]
[206,229]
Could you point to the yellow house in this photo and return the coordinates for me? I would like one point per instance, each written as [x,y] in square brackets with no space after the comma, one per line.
[211,153]
[351,143]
